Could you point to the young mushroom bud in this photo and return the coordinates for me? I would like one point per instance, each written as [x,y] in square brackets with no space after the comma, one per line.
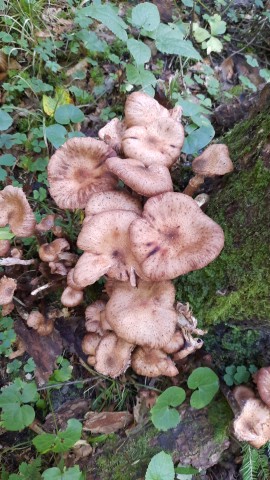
[46,224]
[113,355]
[38,322]
[90,343]
[215,160]
[93,317]
[112,134]
[71,298]
[241,394]
[48,252]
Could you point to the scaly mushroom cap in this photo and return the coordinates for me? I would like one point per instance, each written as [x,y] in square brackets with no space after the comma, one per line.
[78,169]
[141,110]
[215,160]
[147,181]
[144,315]
[70,280]
[253,423]
[113,355]
[263,384]
[175,344]
[152,363]
[159,142]
[242,393]
[4,247]
[112,134]
[174,237]
[38,322]
[7,289]
[93,317]
[106,201]
[90,343]
[105,237]
[48,252]
[46,223]
[71,298]
[89,268]
[16,212]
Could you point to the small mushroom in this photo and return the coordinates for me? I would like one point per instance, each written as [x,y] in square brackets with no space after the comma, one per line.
[7,289]
[16,212]
[174,237]
[144,315]
[147,181]
[78,169]
[113,355]
[106,201]
[253,423]
[71,298]
[90,343]
[215,160]
[262,377]
[190,346]
[48,252]
[46,224]
[241,394]
[141,110]
[58,268]
[4,248]
[159,142]
[152,363]
[37,321]
[94,318]
[112,134]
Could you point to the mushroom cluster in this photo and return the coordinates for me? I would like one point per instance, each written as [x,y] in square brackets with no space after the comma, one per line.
[140,237]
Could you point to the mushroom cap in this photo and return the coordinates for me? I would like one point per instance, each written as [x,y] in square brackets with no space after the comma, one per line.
[176,343]
[93,317]
[4,247]
[46,223]
[78,169]
[112,134]
[174,237]
[106,237]
[90,343]
[158,142]
[7,289]
[113,355]
[58,268]
[16,211]
[263,384]
[215,160]
[70,280]
[71,298]
[152,363]
[242,393]
[147,181]
[48,252]
[106,201]
[144,315]
[141,109]
[89,268]
[253,423]
[38,322]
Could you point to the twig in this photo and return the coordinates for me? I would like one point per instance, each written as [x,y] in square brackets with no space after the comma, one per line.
[44,287]
[63,384]
[6,262]
[252,40]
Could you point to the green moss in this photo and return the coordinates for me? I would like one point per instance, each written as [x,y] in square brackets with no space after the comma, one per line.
[127,462]
[220,416]
[236,286]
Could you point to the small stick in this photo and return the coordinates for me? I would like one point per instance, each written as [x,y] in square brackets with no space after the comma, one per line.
[44,287]
[6,262]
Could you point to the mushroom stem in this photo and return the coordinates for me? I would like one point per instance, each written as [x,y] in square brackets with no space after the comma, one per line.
[193,185]
[6,262]
[202,200]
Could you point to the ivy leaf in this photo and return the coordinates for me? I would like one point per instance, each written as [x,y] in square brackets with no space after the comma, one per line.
[160,467]
[5,120]
[145,16]
[207,384]
[217,26]
[106,14]
[56,134]
[139,50]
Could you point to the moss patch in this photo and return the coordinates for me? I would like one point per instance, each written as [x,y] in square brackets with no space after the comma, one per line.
[236,286]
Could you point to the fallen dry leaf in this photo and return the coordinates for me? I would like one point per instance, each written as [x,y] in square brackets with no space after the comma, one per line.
[106,422]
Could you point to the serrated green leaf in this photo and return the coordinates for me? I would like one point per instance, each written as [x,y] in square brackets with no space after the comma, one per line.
[145,16]
[139,50]
[5,120]
[139,76]
[160,467]
[247,83]
[29,392]
[186,470]
[251,61]
[207,384]
[170,40]
[106,15]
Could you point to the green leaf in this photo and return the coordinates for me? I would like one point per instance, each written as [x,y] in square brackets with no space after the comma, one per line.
[29,392]
[139,50]
[30,366]
[201,34]
[160,468]
[169,39]
[251,61]
[207,384]
[5,120]
[172,396]
[14,366]
[7,160]
[188,3]
[91,41]
[145,16]
[212,45]
[164,418]
[228,379]
[56,134]
[265,73]
[139,76]
[66,114]
[60,442]
[106,15]
[6,234]
[242,375]
[16,417]
[198,139]
[186,470]
[247,83]
[55,473]
[217,26]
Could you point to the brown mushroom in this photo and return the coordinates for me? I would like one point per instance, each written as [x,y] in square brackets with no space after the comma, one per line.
[115,200]
[241,394]
[159,142]
[152,363]
[37,321]
[112,134]
[215,160]
[71,298]
[113,355]
[16,212]
[7,289]
[90,343]
[4,247]
[48,252]
[70,280]
[263,384]
[176,343]
[58,268]
[94,318]
[46,224]
[78,169]
[253,423]
[144,315]
[190,346]
[147,181]
[174,237]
